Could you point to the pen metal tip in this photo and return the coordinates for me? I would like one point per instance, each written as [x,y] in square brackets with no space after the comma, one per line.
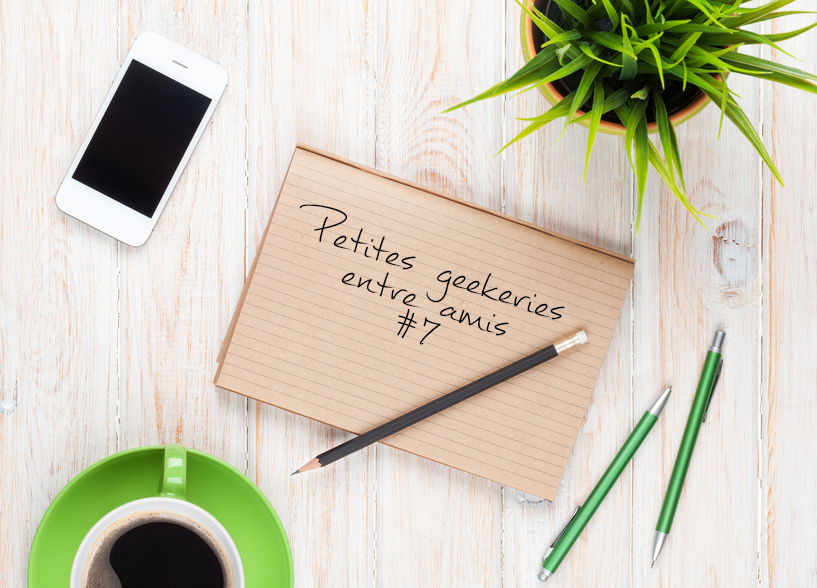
[660,538]
[659,404]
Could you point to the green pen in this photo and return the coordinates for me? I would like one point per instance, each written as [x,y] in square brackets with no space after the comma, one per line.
[697,415]
[582,515]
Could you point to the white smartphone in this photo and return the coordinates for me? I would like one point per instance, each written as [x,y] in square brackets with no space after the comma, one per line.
[141,139]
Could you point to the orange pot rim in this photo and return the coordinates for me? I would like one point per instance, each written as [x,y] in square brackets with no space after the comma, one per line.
[675,119]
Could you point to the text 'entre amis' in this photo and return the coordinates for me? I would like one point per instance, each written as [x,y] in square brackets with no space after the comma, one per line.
[447,282]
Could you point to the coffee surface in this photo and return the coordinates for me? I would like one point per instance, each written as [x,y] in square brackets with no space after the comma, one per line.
[157,550]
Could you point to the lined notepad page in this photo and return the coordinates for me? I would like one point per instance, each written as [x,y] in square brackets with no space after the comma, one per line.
[313,336]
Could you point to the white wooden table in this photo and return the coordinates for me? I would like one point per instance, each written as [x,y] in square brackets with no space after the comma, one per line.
[104,348]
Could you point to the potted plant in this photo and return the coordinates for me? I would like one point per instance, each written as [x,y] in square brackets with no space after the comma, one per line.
[635,67]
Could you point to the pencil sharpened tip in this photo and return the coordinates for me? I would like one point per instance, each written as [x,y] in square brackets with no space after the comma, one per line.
[310,465]
[652,565]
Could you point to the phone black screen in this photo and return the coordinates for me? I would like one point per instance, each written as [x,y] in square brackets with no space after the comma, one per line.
[141,138]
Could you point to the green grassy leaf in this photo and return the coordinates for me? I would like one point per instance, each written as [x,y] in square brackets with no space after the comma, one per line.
[724,98]
[660,166]
[570,9]
[658,63]
[792,81]
[589,52]
[775,15]
[628,60]
[777,37]
[641,164]
[647,45]
[707,9]
[738,117]
[649,29]
[559,110]
[648,12]
[609,41]
[548,27]
[698,28]
[585,85]
[565,70]
[687,43]
[528,76]
[611,102]
[712,58]
[561,54]
[627,8]
[753,15]
[641,94]
[704,82]
[632,116]
[563,38]
[757,63]
[595,120]
[741,37]
[612,13]
[666,134]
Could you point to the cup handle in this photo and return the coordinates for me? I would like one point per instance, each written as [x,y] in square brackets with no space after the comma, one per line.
[174,473]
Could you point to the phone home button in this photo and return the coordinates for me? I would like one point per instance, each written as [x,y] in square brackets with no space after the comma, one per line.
[104,212]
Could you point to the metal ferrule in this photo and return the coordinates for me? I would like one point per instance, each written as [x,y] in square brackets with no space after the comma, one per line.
[568,343]
[717,343]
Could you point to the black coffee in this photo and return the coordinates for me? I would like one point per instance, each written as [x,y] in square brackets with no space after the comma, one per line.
[165,555]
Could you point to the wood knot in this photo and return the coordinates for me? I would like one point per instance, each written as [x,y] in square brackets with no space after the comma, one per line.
[734,254]
[8,404]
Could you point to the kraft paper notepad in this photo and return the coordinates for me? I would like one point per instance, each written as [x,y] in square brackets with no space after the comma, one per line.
[370,296]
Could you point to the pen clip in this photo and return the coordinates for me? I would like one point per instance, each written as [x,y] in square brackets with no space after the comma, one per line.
[712,392]
[562,532]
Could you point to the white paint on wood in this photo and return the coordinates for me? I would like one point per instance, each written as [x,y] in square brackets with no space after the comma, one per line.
[311,75]
[177,292]
[58,289]
[104,347]
[544,186]
[689,282]
[787,519]
[435,525]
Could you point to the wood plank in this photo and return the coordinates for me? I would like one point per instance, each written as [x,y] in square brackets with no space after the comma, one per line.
[689,282]
[58,315]
[436,525]
[311,81]
[544,186]
[788,452]
[178,291]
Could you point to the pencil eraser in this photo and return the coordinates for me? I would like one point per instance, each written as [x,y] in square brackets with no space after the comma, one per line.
[582,336]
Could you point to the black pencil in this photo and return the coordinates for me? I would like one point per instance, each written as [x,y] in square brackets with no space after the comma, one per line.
[450,399]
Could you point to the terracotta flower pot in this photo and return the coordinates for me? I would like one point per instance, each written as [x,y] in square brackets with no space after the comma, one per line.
[552,95]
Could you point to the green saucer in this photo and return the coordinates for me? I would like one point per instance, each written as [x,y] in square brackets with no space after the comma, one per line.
[130,475]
